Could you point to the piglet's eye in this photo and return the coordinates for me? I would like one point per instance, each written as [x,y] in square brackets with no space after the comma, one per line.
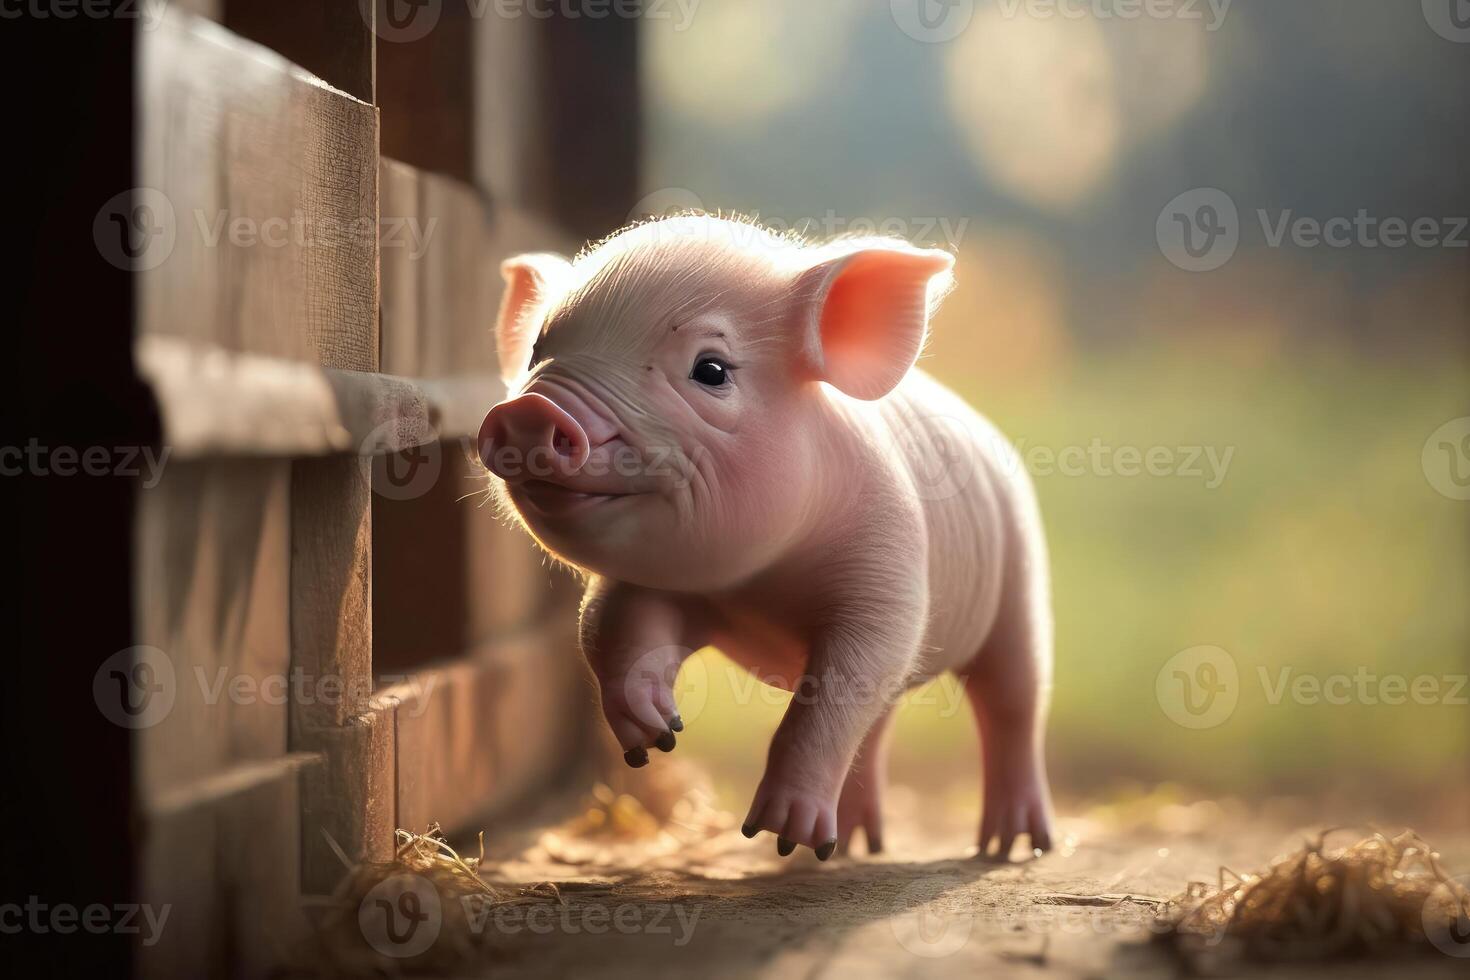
[710,372]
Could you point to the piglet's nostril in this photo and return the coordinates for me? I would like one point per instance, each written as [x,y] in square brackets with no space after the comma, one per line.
[523,435]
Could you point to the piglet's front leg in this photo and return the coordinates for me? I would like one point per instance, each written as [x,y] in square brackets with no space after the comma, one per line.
[635,641]
[853,677]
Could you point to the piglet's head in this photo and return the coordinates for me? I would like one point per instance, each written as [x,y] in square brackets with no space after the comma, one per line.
[672,391]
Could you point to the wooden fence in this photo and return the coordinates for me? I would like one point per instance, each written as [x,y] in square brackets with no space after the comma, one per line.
[337,638]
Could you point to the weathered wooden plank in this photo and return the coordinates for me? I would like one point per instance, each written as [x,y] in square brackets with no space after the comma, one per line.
[221,860]
[450,575]
[211,598]
[263,221]
[442,246]
[444,769]
[331,587]
[480,732]
[351,797]
[215,402]
[541,694]
[461,280]
[399,267]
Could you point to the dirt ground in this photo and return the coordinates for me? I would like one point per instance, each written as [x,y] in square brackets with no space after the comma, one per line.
[694,897]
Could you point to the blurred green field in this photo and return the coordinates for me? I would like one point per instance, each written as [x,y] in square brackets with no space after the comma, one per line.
[1324,550]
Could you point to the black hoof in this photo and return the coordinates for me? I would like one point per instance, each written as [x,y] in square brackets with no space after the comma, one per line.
[637,758]
[666,742]
[676,724]
[784,846]
[825,851]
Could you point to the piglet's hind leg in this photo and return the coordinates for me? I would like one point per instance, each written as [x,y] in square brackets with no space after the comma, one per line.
[1008,685]
[861,802]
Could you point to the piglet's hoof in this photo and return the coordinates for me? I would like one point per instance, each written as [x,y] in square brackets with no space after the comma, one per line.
[637,758]
[784,846]
[666,742]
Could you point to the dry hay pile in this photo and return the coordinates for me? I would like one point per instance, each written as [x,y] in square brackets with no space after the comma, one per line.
[431,910]
[424,911]
[1378,896]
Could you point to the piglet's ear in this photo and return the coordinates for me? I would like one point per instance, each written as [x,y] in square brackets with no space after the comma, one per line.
[866,313]
[531,280]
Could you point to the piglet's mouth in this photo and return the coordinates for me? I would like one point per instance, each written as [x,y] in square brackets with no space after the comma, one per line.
[555,499]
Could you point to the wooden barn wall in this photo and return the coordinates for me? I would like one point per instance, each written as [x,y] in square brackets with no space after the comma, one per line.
[435,646]
[254,573]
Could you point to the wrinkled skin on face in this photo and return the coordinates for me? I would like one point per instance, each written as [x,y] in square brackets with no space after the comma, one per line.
[722,429]
[694,484]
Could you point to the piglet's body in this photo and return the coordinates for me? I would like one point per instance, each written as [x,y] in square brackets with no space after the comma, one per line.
[724,429]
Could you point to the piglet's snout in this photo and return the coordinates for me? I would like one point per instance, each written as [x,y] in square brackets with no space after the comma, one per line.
[531,438]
